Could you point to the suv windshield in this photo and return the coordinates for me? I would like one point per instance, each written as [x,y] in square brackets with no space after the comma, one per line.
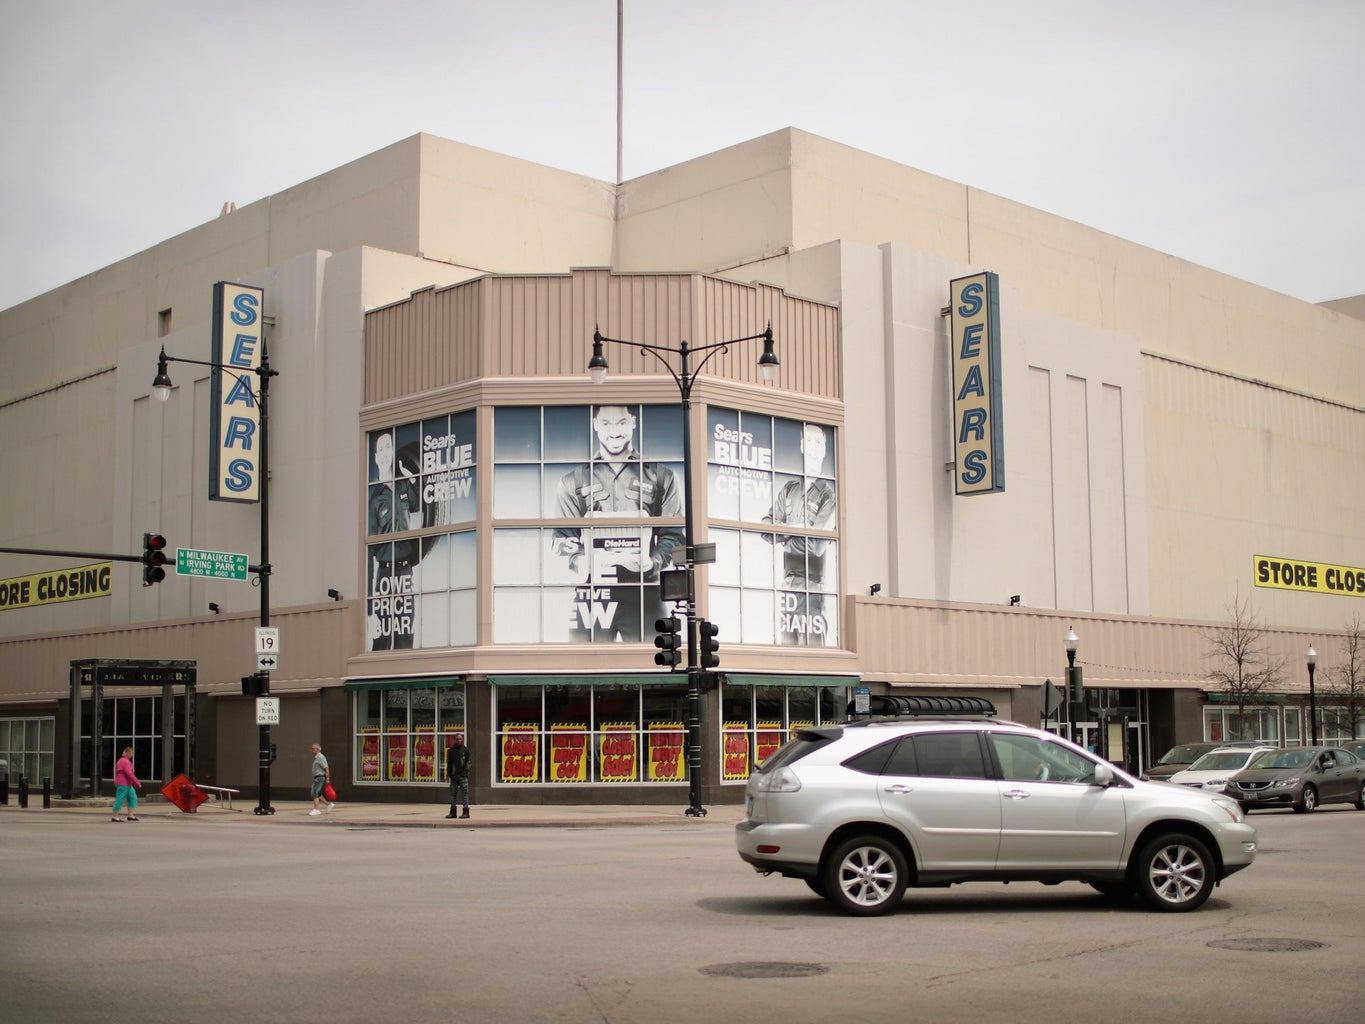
[1183,754]
[1220,760]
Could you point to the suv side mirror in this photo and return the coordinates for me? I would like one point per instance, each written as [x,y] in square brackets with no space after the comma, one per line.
[1104,775]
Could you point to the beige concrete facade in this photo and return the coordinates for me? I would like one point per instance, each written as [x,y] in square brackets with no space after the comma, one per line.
[1163,423]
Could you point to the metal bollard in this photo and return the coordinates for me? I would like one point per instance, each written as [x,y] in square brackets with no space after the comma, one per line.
[47,794]
[23,791]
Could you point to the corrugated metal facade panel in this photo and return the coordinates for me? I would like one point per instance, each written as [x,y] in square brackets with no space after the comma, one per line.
[971,645]
[542,326]
[319,637]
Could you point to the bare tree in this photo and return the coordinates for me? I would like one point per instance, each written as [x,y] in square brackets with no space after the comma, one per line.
[1346,682]
[1243,668]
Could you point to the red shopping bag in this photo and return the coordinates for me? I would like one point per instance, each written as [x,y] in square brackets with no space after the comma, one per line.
[329,792]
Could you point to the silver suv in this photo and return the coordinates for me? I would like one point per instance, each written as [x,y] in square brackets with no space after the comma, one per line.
[859,811]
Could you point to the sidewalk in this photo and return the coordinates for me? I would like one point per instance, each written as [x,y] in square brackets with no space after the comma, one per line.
[386,815]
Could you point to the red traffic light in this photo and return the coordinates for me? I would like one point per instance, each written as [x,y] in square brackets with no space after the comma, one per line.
[153,558]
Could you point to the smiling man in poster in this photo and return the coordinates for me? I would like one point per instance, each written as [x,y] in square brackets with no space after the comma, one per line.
[612,605]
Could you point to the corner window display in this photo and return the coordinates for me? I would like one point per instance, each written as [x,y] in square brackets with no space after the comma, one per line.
[596,472]
[590,733]
[421,585]
[756,720]
[402,734]
[776,583]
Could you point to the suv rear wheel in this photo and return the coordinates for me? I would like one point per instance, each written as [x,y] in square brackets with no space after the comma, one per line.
[1174,873]
[865,876]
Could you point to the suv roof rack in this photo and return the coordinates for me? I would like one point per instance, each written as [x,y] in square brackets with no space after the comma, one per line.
[925,706]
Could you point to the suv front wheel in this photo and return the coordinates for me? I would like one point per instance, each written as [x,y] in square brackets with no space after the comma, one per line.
[1174,873]
[865,876]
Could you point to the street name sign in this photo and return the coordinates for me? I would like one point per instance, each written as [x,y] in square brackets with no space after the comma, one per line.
[218,565]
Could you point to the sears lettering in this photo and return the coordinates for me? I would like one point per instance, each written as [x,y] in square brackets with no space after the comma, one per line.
[244,310]
[971,299]
[974,467]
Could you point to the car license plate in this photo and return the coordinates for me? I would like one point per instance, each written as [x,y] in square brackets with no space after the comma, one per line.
[1251,796]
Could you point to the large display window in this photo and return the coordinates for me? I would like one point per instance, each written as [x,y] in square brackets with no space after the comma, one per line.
[591,732]
[756,720]
[777,582]
[401,735]
[133,722]
[421,581]
[610,478]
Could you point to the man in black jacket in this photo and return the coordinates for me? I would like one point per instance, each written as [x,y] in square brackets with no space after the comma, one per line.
[457,774]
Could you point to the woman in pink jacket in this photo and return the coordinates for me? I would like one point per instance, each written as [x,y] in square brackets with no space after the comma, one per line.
[126,784]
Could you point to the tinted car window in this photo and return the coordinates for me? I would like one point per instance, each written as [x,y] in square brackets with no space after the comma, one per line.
[1026,758]
[954,755]
[805,742]
[880,760]
[1283,759]
[1183,754]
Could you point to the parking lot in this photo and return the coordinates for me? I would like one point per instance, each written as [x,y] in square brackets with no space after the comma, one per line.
[187,919]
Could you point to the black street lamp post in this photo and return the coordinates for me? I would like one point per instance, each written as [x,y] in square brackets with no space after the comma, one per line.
[161,388]
[1312,658]
[1075,685]
[684,377]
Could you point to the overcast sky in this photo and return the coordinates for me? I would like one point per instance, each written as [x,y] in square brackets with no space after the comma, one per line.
[1226,132]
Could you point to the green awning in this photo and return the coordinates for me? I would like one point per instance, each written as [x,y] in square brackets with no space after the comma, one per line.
[787,679]
[612,679]
[403,683]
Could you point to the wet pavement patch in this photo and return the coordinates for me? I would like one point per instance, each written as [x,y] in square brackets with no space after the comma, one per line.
[765,969]
[1254,945]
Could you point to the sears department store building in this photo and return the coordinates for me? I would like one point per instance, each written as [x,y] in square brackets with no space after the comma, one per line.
[989,426]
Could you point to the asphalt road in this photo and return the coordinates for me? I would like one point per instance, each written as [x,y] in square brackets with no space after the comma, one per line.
[184,920]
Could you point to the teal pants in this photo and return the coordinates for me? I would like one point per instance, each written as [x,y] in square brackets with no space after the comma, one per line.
[125,794]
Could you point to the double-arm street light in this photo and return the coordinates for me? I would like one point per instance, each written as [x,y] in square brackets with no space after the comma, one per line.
[685,376]
[1312,658]
[161,388]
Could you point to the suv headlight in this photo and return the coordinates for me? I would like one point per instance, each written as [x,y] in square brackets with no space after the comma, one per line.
[1230,807]
[783,780]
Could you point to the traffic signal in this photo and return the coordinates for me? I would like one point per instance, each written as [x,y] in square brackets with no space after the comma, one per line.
[257,685]
[709,644]
[153,558]
[669,642]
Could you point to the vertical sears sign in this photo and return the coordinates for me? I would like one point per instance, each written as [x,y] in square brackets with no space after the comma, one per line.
[978,429]
[234,430]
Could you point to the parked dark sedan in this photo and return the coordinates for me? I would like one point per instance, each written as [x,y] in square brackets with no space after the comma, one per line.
[1178,758]
[1300,777]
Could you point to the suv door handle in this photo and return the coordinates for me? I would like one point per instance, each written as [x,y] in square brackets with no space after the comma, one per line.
[1017,794]
[899,788]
